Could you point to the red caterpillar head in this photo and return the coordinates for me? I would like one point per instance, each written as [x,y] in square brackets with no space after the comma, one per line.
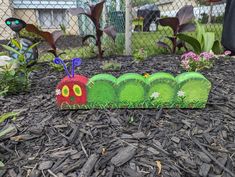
[72,89]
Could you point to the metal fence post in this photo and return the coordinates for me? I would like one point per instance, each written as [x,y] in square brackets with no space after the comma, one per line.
[128,27]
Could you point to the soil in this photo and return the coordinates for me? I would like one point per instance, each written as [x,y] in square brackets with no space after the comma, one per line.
[121,142]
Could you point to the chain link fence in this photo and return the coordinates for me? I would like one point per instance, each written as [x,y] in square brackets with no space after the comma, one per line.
[143,30]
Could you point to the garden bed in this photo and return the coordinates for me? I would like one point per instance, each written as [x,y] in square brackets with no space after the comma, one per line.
[121,142]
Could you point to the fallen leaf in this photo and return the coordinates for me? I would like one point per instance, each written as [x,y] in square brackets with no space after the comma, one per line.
[159,166]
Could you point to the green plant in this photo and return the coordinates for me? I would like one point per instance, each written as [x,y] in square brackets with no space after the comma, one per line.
[111,65]
[14,80]
[140,55]
[193,62]
[203,42]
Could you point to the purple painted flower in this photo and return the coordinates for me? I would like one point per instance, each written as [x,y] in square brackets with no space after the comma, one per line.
[227,52]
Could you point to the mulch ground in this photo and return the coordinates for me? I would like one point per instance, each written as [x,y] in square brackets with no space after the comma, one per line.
[121,142]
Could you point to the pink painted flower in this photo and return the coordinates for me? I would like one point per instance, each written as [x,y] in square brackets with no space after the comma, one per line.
[227,52]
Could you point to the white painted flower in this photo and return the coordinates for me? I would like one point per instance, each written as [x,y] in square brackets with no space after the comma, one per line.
[58,92]
[155,95]
[181,93]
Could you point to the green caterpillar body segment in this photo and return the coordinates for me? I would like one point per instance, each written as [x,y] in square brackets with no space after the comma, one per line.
[101,89]
[194,87]
[131,88]
[162,88]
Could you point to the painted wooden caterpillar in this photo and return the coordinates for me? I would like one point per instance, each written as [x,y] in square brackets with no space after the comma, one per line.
[131,90]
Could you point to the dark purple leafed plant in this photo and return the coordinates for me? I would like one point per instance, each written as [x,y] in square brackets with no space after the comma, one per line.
[94,13]
[50,38]
[179,24]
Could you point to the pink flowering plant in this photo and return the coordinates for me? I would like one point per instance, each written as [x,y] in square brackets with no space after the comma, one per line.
[191,61]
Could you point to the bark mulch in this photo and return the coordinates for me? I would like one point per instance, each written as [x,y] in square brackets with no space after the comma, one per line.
[121,142]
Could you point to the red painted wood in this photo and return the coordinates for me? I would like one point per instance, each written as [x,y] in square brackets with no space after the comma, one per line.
[72,99]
